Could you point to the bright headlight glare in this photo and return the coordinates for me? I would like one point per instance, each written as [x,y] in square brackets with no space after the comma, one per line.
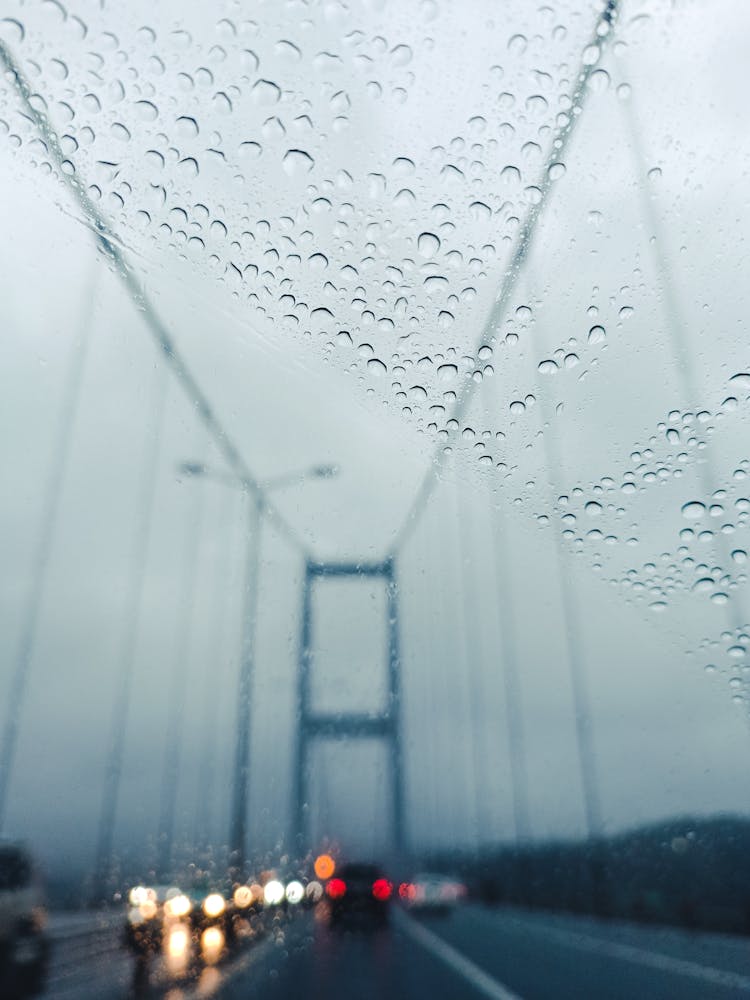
[294,892]
[137,895]
[273,892]
[314,891]
[214,905]
[178,942]
[212,944]
[178,906]
[243,897]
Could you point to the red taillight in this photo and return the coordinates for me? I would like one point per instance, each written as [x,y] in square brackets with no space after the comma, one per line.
[382,889]
[336,888]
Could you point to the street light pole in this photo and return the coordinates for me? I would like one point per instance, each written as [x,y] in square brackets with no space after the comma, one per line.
[241,783]
[256,497]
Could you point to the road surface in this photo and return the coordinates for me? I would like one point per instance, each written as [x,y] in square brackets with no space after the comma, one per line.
[474,953]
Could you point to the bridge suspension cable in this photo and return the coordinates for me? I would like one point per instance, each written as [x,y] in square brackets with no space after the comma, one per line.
[40,562]
[132,619]
[488,334]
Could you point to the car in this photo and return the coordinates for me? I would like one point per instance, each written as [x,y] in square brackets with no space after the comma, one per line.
[24,945]
[359,895]
[184,927]
[432,892]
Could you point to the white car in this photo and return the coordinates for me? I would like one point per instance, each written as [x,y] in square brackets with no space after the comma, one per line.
[434,892]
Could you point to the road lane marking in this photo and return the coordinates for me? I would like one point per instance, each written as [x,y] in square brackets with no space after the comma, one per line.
[440,948]
[638,956]
[652,959]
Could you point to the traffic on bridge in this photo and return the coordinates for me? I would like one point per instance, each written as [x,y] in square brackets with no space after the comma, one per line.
[374,407]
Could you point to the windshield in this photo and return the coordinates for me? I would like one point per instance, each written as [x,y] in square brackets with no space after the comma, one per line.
[373,421]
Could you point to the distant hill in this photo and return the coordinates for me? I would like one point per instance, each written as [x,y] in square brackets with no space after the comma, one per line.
[694,872]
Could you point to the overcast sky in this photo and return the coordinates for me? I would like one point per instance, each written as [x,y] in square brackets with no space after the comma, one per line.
[321,203]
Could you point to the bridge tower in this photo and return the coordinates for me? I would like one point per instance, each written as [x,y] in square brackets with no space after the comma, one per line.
[313,726]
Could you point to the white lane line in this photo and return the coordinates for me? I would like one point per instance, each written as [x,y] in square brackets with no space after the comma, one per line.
[475,976]
[637,956]
[651,959]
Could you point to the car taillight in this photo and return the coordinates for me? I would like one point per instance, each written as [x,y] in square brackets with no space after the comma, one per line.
[336,888]
[382,889]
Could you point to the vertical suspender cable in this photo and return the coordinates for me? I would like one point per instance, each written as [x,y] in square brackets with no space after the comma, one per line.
[214,681]
[40,564]
[458,609]
[473,666]
[178,687]
[128,641]
[514,715]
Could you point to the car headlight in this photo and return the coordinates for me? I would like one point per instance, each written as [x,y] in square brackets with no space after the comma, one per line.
[178,906]
[212,944]
[138,895]
[178,942]
[273,893]
[294,892]
[214,905]
[243,897]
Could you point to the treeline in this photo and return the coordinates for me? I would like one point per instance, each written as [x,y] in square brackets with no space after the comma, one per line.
[688,872]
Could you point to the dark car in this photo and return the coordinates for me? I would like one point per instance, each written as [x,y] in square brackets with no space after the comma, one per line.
[24,947]
[359,895]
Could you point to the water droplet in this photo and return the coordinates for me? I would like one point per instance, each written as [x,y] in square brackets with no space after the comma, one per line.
[532,194]
[741,380]
[593,508]
[480,212]
[222,104]
[250,150]
[58,69]
[249,60]
[447,372]
[187,127]
[376,367]
[189,166]
[591,54]
[297,162]
[266,93]
[693,510]
[288,50]
[401,55]
[146,111]
[597,334]
[654,174]
[517,44]
[120,132]
[428,244]
[434,284]
[548,366]
[556,171]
